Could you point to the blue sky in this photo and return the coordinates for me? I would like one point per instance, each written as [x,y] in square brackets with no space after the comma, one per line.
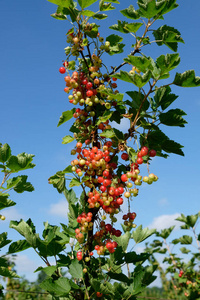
[32,100]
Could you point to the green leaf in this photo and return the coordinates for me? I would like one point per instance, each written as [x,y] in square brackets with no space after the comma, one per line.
[139,235]
[66,116]
[26,231]
[60,287]
[106,116]
[105,6]
[184,240]
[99,16]
[62,12]
[118,276]
[169,36]
[68,169]
[137,99]
[88,13]
[170,5]
[5,272]
[58,181]
[23,185]
[168,62]
[123,240]
[5,202]
[63,3]
[85,3]
[119,134]
[3,239]
[47,270]
[137,79]
[20,162]
[164,98]
[114,39]
[184,250]
[165,232]
[108,133]
[74,182]
[130,13]
[92,31]
[76,269]
[120,26]
[150,9]
[18,246]
[189,220]
[187,79]
[173,117]
[171,146]
[141,63]
[133,257]
[133,27]
[5,152]
[67,139]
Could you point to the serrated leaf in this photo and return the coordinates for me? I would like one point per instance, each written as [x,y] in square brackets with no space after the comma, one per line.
[185,250]
[66,116]
[87,13]
[173,117]
[137,99]
[85,3]
[185,240]
[92,32]
[133,27]
[20,162]
[133,257]
[67,139]
[18,246]
[106,116]
[187,79]
[74,182]
[141,63]
[105,6]
[26,231]
[76,269]
[108,133]
[60,287]
[130,13]
[165,232]
[139,235]
[167,62]
[150,9]
[99,16]
[23,185]
[118,276]
[119,134]
[171,146]
[120,26]
[63,3]
[137,79]
[169,36]
[5,152]
[47,270]
[5,202]
[58,181]
[5,272]
[164,98]
[3,239]
[188,220]
[114,39]
[123,240]
[62,12]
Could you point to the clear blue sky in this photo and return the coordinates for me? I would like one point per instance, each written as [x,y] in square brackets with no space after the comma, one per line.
[32,100]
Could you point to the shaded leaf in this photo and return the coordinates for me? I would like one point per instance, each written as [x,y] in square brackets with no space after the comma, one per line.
[5,202]
[164,98]
[18,246]
[60,287]
[74,182]
[85,3]
[169,36]
[187,79]
[5,152]
[20,162]
[150,9]
[173,117]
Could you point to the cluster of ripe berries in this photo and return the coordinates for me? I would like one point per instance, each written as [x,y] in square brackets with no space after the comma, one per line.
[94,165]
